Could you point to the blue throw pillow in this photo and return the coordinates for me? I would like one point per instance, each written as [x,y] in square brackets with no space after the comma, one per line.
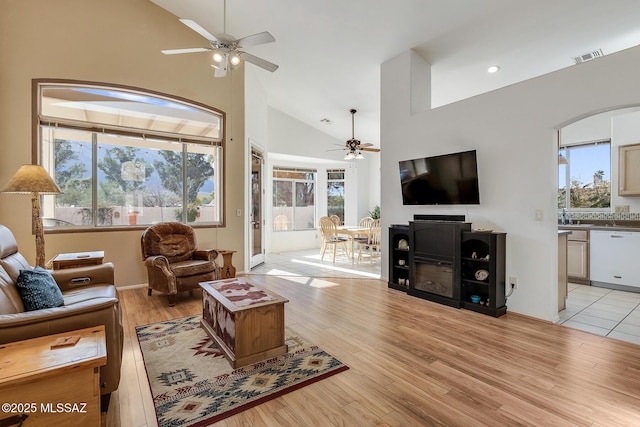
[38,290]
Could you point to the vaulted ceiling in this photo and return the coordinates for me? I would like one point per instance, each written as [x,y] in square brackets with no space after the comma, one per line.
[329,52]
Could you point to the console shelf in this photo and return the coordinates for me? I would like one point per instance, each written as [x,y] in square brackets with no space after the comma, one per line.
[399,254]
[483,272]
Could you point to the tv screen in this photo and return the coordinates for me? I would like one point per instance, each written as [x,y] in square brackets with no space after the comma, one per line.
[449,179]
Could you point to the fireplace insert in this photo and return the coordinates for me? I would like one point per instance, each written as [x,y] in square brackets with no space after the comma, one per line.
[434,276]
[434,258]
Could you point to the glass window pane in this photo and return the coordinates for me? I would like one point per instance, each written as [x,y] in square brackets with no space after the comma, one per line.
[71,170]
[282,205]
[587,176]
[118,108]
[201,183]
[335,199]
[304,212]
[130,190]
[282,193]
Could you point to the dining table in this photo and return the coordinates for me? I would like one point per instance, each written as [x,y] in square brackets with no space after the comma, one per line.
[353,231]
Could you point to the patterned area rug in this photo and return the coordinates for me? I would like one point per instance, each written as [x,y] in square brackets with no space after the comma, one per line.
[192,383]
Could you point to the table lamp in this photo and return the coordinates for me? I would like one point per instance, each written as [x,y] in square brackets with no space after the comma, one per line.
[34,180]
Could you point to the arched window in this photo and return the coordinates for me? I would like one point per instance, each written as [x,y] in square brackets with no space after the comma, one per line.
[125,157]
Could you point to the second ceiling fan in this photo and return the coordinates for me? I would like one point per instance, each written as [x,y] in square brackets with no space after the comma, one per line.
[353,145]
[226,48]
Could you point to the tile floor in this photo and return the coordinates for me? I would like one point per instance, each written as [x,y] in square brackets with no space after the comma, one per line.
[308,263]
[602,311]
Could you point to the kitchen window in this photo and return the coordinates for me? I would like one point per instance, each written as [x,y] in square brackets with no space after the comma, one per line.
[584,176]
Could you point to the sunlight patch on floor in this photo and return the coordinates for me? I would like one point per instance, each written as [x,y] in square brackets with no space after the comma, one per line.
[334,268]
[276,272]
[322,283]
[309,281]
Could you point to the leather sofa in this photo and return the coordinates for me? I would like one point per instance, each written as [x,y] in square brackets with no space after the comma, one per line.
[90,299]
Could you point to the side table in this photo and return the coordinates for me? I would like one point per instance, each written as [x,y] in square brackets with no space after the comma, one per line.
[53,380]
[228,270]
[77,259]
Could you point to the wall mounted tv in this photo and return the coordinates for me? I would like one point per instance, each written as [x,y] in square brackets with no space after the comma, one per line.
[449,179]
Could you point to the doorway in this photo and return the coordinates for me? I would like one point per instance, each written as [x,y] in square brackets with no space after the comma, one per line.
[256,220]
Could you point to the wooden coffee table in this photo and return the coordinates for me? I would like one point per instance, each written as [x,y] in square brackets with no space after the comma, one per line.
[247,322]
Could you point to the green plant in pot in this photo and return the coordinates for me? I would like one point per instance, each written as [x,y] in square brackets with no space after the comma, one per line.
[375,213]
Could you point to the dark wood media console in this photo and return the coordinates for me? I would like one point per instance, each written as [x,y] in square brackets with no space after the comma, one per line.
[447,263]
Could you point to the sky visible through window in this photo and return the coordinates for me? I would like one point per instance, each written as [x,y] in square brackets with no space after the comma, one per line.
[585,161]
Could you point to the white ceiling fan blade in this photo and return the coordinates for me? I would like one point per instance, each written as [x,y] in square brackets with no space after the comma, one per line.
[198,29]
[187,50]
[256,39]
[269,66]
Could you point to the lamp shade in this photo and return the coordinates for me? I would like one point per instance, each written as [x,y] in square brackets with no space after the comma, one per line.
[562,160]
[31,179]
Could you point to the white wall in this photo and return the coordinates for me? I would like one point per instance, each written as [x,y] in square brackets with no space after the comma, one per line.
[514,131]
[256,136]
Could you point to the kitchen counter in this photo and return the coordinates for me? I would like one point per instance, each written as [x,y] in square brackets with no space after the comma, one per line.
[606,227]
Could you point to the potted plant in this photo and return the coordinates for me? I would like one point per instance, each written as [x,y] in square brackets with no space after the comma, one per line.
[375,213]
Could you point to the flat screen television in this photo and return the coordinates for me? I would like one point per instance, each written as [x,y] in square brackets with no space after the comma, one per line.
[448,179]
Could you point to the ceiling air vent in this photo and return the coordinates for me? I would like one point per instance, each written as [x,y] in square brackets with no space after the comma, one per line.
[588,56]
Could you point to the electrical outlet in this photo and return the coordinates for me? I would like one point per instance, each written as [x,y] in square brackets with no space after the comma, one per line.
[513,282]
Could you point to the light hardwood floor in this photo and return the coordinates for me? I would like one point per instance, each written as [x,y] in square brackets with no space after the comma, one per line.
[414,363]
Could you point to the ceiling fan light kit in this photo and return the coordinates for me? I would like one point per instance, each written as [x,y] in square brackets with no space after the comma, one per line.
[226,48]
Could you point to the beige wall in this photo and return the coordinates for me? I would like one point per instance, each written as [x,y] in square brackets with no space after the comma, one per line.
[118,42]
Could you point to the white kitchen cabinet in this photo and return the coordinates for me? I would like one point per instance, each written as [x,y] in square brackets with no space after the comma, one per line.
[614,257]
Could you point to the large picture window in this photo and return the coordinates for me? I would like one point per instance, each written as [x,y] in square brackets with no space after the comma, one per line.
[125,158]
[293,199]
[584,176]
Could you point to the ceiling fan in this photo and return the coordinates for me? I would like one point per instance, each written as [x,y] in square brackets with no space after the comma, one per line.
[354,146]
[226,48]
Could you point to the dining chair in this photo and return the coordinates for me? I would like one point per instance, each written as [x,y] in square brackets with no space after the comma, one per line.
[365,222]
[372,242]
[335,219]
[330,237]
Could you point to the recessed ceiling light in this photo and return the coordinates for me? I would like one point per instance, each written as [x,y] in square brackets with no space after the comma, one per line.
[493,69]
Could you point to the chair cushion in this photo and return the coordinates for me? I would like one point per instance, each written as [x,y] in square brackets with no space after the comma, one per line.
[192,267]
[38,290]
[337,239]
[173,240]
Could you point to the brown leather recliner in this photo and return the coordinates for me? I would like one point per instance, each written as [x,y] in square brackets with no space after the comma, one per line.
[174,262]
[89,300]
